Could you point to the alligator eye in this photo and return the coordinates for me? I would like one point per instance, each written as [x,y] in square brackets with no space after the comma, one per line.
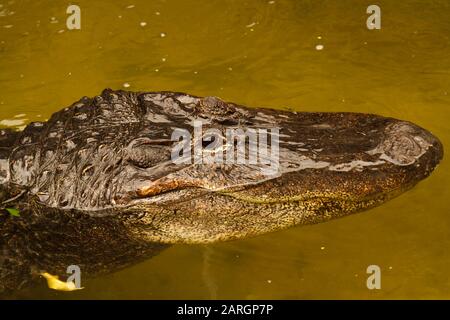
[146,154]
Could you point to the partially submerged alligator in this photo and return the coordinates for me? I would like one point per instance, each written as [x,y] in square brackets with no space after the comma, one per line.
[96,184]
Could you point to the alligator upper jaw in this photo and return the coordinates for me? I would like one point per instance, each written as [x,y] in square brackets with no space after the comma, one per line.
[349,163]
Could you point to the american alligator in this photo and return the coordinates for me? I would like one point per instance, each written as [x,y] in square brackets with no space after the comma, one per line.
[97,185]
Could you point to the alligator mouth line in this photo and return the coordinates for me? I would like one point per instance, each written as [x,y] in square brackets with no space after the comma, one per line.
[325,196]
[345,200]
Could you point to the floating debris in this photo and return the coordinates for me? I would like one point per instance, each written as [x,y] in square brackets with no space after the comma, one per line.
[143,24]
[126,85]
[13,212]
[163,35]
[319,47]
[54,283]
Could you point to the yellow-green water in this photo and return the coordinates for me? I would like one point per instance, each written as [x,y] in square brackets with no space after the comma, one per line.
[257,53]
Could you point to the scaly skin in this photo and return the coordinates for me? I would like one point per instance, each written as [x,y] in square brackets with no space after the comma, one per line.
[105,162]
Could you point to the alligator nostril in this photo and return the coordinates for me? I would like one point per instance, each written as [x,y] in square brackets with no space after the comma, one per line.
[403,143]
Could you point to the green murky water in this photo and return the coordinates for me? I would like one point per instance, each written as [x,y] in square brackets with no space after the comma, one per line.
[308,55]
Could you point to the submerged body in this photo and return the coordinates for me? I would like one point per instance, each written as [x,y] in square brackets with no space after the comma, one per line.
[97,182]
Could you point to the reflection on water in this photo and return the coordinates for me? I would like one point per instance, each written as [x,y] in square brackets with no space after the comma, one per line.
[306,55]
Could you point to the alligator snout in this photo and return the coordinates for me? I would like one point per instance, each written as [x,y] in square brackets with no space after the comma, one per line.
[405,143]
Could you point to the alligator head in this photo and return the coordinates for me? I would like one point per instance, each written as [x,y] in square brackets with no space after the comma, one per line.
[114,155]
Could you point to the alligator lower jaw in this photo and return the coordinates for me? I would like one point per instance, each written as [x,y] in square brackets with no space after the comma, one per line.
[201,224]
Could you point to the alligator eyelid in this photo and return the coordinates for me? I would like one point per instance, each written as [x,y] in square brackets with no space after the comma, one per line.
[165,142]
[160,142]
